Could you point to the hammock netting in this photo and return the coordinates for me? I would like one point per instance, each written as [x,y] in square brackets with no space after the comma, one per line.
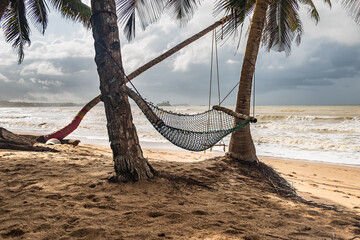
[194,132]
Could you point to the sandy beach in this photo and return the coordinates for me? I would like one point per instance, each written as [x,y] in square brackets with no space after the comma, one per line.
[67,195]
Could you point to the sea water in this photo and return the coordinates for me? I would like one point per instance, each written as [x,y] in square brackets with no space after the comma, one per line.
[315,133]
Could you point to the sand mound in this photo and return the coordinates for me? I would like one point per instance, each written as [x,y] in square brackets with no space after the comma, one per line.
[67,195]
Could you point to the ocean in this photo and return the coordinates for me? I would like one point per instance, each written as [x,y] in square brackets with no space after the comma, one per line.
[315,133]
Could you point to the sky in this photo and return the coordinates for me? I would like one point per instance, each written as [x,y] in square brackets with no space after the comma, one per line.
[59,66]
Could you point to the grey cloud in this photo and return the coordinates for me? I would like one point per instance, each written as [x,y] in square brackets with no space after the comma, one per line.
[80,81]
[336,62]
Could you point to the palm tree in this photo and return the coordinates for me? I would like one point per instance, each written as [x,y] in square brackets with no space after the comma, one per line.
[127,154]
[275,23]
[14,16]
[129,161]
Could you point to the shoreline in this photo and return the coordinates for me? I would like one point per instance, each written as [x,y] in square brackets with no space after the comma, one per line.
[165,146]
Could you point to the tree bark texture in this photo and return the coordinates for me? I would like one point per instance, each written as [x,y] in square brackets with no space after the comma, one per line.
[10,140]
[129,163]
[241,144]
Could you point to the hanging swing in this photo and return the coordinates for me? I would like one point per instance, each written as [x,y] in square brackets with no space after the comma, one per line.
[194,132]
[221,143]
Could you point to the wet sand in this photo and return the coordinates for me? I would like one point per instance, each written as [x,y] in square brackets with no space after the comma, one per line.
[67,195]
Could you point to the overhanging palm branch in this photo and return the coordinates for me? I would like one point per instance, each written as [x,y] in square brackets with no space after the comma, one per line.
[37,10]
[16,27]
[74,10]
[14,13]
[353,9]
[147,11]
[282,25]
[239,9]
[183,10]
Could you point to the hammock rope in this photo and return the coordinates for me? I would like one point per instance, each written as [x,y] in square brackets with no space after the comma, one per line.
[192,131]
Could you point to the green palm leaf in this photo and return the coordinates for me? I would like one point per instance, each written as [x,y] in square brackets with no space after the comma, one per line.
[353,9]
[148,11]
[239,9]
[183,10]
[282,26]
[16,27]
[312,9]
[74,10]
[37,10]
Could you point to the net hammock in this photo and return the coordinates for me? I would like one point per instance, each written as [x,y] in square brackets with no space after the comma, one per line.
[194,132]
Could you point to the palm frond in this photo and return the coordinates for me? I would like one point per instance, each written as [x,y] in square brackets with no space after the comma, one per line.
[126,13]
[183,10]
[37,10]
[16,27]
[282,26]
[312,9]
[353,9]
[74,10]
[240,9]
[3,5]
[147,11]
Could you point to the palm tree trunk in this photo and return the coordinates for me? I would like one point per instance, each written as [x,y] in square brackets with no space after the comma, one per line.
[241,144]
[62,133]
[127,154]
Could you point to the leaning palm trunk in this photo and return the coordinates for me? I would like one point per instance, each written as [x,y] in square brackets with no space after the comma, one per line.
[241,144]
[127,154]
[65,131]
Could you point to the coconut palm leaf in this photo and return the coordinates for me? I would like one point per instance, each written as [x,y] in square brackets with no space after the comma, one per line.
[16,27]
[147,11]
[239,9]
[282,26]
[353,9]
[74,10]
[183,10]
[37,10]
[312,9]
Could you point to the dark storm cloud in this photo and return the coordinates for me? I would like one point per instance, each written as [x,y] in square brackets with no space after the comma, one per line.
[330,63]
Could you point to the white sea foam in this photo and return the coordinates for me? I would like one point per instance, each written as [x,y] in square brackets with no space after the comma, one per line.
[326,133]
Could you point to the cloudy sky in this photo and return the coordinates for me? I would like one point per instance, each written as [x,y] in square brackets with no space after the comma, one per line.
[59,66]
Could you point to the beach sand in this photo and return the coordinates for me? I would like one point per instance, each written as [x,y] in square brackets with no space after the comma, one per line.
[67,195]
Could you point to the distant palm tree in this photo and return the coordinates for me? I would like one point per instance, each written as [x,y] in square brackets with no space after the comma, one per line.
[14,16]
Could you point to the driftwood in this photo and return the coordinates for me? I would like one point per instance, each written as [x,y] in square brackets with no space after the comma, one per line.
[10,140]
[10,137]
